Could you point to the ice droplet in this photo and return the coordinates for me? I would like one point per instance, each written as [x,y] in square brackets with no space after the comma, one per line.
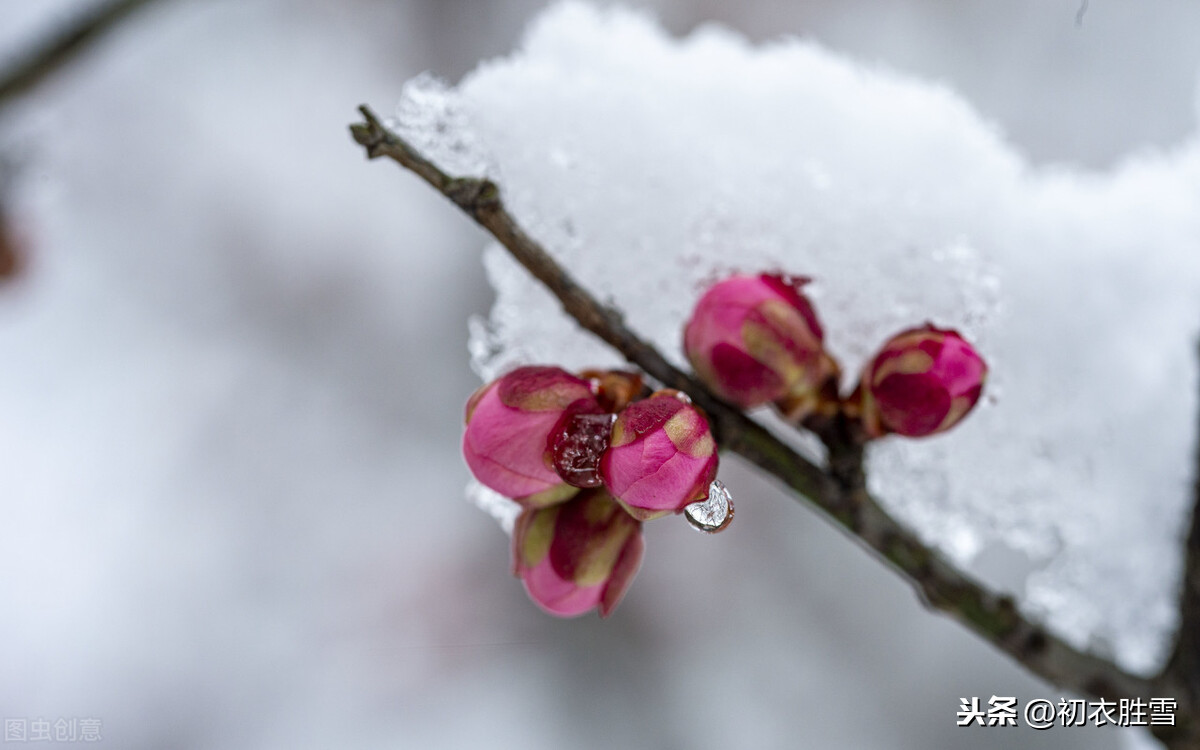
[715,513]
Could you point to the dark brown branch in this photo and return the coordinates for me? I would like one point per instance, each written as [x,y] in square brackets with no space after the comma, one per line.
[839,491]
[481,200]
[1184,666]
[52,53]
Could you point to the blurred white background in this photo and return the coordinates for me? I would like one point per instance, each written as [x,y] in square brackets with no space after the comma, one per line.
[234,370]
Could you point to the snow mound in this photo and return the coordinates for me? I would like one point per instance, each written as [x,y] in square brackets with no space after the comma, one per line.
[650,166]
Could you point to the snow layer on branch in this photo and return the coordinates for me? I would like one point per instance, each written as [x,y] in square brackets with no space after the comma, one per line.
[650,166]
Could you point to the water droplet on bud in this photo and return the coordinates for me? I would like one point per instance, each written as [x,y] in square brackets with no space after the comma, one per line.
[715,513]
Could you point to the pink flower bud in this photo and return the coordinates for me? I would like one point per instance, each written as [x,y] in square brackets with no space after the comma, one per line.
[661,456]
[578,555]
[922,382]
[756,339]
[577,444]
[616,389]
[510,423]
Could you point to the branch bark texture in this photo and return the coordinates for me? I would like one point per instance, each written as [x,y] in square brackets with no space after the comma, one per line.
[837,489]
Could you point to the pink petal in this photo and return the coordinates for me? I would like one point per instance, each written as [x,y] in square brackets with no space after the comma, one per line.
[557,596]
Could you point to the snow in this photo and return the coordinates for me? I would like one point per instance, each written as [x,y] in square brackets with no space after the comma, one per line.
[650,166]
[233,390]
[499,507]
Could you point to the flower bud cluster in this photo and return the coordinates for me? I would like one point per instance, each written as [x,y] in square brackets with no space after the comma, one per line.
[588,458]
[756,340]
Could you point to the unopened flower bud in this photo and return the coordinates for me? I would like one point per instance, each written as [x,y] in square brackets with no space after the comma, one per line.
[922,382]
[12,253]
[578,443]
[510,426]
[615,389]
[578,555]
[661,456]
[756,339]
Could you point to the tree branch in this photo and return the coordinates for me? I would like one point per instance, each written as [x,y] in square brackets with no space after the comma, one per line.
[1183,669]
[61,47]
[839,490]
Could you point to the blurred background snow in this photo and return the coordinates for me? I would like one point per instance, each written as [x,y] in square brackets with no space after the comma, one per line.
[234,370]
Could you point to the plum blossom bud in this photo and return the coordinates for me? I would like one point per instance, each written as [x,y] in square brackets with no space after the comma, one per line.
[922,382]
[577,444]
[12,249]
[615,389]
[510,425]
[756,339]
[578,555]
[661,456]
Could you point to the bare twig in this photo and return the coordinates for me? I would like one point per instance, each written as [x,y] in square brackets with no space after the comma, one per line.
[838,490]
[51,54]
